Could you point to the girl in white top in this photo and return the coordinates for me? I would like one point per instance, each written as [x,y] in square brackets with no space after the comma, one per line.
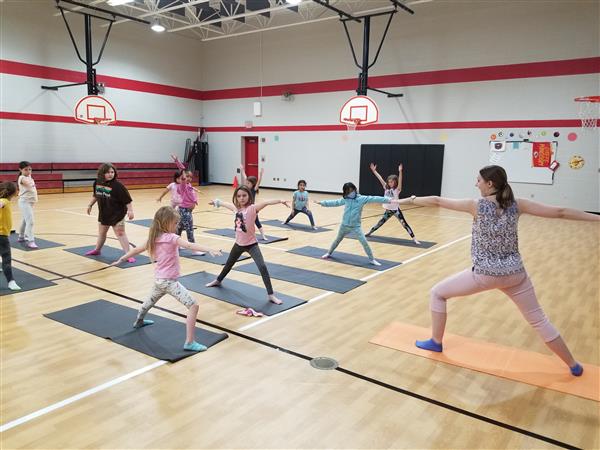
[27,198]
[391,188]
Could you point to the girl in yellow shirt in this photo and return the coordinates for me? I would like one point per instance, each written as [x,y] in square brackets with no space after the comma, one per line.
[8,190]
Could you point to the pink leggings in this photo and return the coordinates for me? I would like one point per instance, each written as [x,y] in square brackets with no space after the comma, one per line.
[517,286]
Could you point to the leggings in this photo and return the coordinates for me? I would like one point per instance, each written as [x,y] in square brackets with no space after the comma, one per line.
[254,251]
[26,229]
[517,286]
[343,231]
[389,213]
[304,210]
[6,258]
[257,223]
[186,223]
[162,287]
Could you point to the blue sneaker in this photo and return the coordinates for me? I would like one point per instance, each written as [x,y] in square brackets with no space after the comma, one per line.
[430,344]
[576,370]
[142,323]
[194,347]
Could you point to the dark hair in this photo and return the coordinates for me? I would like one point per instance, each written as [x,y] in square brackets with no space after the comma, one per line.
[392,177]
[245,189]
[347,188]
[178,174]
[24,164]
[301,181]
[104,168]
[497,175]
[253,180]
[7,189]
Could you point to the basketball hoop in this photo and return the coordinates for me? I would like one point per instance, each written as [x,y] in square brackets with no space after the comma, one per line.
[360,110]
[351,124]
[589,111]
[100,121]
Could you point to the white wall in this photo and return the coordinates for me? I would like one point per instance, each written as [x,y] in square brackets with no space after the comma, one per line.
[442,35]
[32,34]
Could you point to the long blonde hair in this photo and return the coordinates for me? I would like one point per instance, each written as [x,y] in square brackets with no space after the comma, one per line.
[163,218]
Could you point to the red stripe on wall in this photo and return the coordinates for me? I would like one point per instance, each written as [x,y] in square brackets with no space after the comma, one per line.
[119,123]
[578,66]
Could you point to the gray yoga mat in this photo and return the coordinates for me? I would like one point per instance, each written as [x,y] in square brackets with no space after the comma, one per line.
[142,222]
[395,240]
[229,232]
[26,281]
[238,293]
[109,255]
[294,226]
[41,243]
[306,277]
[162,340]
[207,258]
[344,258]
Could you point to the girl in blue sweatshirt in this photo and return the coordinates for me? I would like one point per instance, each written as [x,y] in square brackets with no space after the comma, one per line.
[353,205]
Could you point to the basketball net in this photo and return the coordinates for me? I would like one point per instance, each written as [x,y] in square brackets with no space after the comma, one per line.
[100,121]
[589,111]
[352,124]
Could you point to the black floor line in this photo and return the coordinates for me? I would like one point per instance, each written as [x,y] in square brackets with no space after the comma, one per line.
[351,373]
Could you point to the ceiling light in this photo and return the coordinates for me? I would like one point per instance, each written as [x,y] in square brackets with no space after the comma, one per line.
[118,2]
[293,2]
[156,26]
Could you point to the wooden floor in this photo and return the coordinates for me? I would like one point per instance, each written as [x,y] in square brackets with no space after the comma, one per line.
[244,393]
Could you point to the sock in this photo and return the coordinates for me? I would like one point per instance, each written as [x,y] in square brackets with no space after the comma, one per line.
[93,252]
[142,323]
[576,370]
[194,347]
[429,344]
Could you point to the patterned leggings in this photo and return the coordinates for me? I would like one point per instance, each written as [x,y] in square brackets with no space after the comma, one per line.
[186,223]
[6,257]
[343,231]
[304,211]
[254,251]
[162,287]
[386,215]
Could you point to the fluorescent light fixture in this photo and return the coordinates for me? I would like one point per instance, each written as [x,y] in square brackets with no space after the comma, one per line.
[118,2]
[293,2]
[156,26]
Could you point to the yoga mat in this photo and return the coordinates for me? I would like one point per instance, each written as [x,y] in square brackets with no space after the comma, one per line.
[162,340]
[26,281]
[294,226]
[229,232]
[306,277]
[238,293]
[142,222]
[395,240]
[344,258]
[41,243]
[185,253]
[545,371]
[109,255]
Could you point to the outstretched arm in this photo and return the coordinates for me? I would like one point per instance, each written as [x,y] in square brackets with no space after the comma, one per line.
[218,203]
[131,253]
[183,242]
[554,212]
[261,205]
[400,178]
[373,168]
[259,179]
[467,205]
[332,203]
[242,174]
[178,163]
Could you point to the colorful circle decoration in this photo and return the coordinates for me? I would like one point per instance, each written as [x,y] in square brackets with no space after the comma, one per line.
[493,137]
[556,134]
[500,134]
[576,162]
[511,135]
[572,137]
[543,133]
[529,132]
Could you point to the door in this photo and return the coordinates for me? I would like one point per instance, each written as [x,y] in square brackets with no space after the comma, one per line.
[251,155]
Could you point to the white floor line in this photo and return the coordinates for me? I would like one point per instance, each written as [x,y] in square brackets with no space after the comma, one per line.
[328,293]
[93,216]
[74,398]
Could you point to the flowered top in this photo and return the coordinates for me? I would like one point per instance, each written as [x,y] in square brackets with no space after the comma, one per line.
[495,245]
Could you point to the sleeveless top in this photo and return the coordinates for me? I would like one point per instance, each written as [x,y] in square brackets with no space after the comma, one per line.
[391,193]
[494,244]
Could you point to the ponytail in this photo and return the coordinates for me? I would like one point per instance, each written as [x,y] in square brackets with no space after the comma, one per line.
[497,175]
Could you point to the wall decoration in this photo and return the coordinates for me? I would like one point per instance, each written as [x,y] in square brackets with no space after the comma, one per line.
[572,137]
[576,162]
[556,134]
[493,137]
[517,158]
[541,154]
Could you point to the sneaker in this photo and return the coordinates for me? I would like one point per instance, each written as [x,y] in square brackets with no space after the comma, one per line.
[194,347]
[576,370]
[326,255]
[131,260]
[32,245]
[314,228]
[142,323]
[199,253]
[13,286]
[375,262]
[93,252]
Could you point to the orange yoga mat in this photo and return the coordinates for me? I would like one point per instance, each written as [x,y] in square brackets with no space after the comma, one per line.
[536,369]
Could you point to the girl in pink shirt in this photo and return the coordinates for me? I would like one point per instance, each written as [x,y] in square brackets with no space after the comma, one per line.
[245,235]
[178,178]
[163,246]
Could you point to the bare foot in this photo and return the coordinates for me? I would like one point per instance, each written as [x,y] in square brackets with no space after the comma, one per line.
[275,300]
[213,283]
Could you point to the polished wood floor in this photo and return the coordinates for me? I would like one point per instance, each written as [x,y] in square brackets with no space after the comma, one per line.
[262,392]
